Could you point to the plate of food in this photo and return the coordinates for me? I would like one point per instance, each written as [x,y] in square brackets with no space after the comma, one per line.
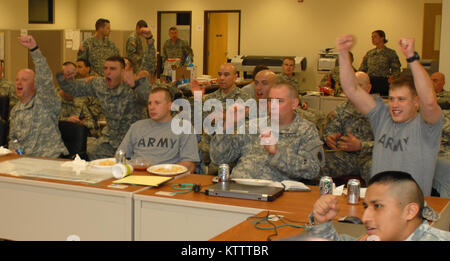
[167,169]
[103,163]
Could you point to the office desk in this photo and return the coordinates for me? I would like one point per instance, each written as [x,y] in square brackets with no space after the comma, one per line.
[45,209]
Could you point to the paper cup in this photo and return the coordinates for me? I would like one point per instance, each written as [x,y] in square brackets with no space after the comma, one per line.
[121,170]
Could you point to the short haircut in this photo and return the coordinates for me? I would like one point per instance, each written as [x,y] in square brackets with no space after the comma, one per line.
[141,23]
[258,68]
[381,33]
[116,59]
[173,28]
[100,23]
[86,62]
[283,83]
[69,62]
[393,178]
[404,80]
[289,58]
[169,95]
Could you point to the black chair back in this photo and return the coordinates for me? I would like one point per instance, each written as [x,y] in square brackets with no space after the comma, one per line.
[74,137]
[4,108]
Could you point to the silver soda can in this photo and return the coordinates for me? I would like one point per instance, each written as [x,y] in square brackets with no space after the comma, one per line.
[326,185]
[353,187]
[224,173]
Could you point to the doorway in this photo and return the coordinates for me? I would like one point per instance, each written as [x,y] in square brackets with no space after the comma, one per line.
[222,38]
[166,19]
[432,20]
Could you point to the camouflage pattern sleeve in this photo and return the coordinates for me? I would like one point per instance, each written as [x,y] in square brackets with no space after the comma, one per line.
[142,90]
[333,124]
[366,148]
[164,54]
[395,64]
[364,67]
[76,88]
[132,51]
[85,114]
[149,59]
[83,52]
[301,162]
[225,148]
[327,231]
[45,88]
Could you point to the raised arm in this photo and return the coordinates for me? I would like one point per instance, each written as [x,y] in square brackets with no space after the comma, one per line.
[359,97]
[45,88]
[429,107]
[76,88]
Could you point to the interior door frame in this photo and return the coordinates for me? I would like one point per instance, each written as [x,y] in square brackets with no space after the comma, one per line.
[205,35]
[158,42]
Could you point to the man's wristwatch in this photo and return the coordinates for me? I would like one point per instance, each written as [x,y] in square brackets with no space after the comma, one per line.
[413,58]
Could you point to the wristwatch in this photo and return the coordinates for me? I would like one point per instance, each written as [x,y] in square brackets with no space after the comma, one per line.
[413,58]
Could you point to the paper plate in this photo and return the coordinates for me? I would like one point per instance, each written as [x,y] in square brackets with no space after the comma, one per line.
[103,163]
[167,169]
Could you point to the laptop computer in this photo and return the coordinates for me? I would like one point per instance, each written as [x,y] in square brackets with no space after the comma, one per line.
[236,190]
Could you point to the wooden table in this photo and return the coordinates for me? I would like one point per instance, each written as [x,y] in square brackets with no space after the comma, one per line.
[196,216]
[47,209]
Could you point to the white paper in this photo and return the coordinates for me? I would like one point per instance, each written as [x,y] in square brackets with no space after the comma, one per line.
[76,40]
[23,32]
[338,190]
[69,44]
[69,34]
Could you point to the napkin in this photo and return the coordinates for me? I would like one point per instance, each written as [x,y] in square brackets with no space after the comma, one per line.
[337,191]
[4,150]
[290,185]
[77,164]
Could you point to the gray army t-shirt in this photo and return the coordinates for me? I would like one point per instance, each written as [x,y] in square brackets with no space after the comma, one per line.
[156,141]
[410,147]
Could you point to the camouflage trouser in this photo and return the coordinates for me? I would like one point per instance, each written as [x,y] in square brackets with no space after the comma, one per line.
[341,163]
[99,149]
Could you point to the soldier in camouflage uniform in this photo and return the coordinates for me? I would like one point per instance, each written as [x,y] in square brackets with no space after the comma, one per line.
[228,90]
[176,48]
[384,215]
[98,48]
[297,154]
[121,98]
[381,64]
[135,46]
[76,110]
[7,89]
[34,120]
[349,136]
[287,73]
[443,96]
[84,72]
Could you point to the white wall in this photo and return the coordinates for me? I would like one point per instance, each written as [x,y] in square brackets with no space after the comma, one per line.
[273,27]
[14,15]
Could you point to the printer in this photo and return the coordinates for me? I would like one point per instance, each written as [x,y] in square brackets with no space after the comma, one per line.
[246,63]
[327,60]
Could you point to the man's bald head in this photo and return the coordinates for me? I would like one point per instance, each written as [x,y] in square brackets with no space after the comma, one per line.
[24,85]
[363,81]
[264,80]
[229,67]
[438,79]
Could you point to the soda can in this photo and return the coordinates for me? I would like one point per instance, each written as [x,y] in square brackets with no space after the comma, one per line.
[326,185]
[224,173]
[20,151]
[353,187]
